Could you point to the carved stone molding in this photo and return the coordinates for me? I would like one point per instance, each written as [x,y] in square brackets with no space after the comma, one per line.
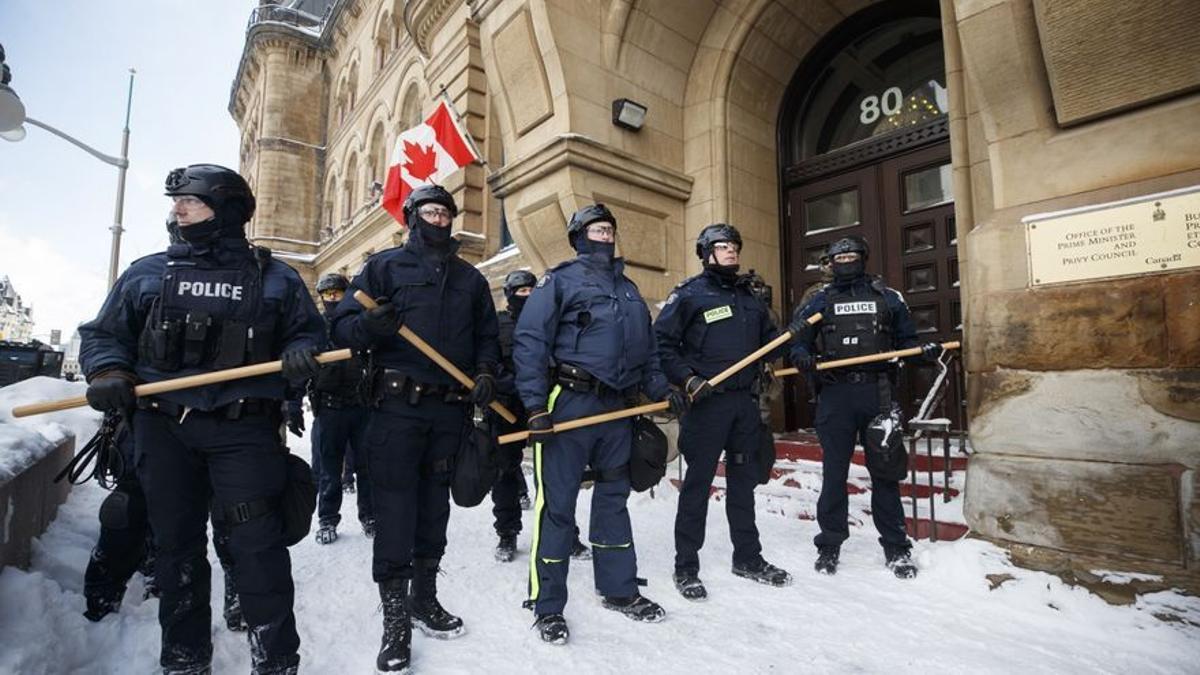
[422,18]
[868,151]
[573,150]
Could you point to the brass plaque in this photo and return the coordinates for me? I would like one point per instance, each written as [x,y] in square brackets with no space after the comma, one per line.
[1155,233]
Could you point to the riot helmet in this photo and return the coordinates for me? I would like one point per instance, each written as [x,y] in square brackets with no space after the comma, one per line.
[514,281]
[332,282]
[848,271]
[705,243]
[222,189]
[577,226]
[434,235]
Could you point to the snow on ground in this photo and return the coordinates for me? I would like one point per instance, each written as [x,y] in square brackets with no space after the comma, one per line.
[861,620]
[26,440]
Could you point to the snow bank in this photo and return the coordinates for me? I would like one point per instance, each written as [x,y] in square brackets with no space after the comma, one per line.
[26,440]
[948,619]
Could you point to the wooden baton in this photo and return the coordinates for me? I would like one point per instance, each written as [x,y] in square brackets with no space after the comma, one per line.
[445,364]
[662,405]
[870,358]
[187,382]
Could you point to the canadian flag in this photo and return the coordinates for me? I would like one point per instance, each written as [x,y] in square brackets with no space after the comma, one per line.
[426,154]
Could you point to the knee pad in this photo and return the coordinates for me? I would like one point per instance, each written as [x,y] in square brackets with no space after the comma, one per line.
[119,511]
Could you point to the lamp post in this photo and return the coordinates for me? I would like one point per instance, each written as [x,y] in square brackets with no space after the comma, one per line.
[12,116]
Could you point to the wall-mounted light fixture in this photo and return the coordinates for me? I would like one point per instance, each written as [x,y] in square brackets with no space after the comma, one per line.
[628,114]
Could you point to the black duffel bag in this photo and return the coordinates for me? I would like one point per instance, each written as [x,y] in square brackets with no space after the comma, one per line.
[298,501]
[648,458]
[887,458]
[475,467]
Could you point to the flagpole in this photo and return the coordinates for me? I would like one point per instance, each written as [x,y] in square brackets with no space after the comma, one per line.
[459,118]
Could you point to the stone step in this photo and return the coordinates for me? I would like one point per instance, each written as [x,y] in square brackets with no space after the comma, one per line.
[803,446]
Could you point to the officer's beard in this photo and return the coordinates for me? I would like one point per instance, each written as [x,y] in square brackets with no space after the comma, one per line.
[437,238]
[846,272]
[516,303]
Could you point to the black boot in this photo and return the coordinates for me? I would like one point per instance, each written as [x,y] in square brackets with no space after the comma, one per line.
[326,533]
[689,585]
[427,613]
[395,650]
[101,604]
[506,550]
[899,561]
[827,560]
[579,550]
[763,572]
[637,607]
[552,628]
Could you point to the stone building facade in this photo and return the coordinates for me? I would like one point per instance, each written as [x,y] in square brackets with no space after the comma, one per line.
[16,316]
[934,129]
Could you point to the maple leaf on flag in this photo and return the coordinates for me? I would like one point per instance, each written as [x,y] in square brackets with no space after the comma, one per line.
[422,161]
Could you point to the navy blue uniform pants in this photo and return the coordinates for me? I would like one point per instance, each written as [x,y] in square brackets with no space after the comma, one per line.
[409,451]
[559,464]
[729,422]
[506,493]
[184,466]
[339,433]
[844,410]
[121,546]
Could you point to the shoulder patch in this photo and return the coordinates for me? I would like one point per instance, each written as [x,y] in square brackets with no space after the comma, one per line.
[671,298]
[542,282]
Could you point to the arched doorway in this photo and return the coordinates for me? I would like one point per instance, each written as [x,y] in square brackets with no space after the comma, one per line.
[864,149]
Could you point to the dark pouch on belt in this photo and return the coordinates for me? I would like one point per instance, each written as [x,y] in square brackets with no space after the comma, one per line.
[195,334]
[475,467]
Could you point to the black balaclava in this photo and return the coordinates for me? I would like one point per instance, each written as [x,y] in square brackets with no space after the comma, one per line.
[844,273]
[516,303]
[602,250]
[227,222]
[328,307]
[434,237]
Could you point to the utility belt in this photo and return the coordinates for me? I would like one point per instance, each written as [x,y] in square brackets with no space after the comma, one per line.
[842,376]
[244,407]
[328,401]
[390,383]
[579,380]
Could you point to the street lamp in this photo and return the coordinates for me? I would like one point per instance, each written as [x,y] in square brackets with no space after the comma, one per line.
[12,116]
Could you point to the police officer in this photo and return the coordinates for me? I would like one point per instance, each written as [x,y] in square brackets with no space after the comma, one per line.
[861,316]
[211,303]
[337,400]
[584,346]
[421,413]
[510,487]
[709,323]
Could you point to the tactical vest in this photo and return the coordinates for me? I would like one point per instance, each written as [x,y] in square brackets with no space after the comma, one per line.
[857,322]
[208,317]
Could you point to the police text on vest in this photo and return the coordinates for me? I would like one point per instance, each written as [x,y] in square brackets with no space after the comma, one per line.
[210,289]
[864,307]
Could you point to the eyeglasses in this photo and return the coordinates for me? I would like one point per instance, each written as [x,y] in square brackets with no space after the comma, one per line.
[727,247]
[431,212]
[187,201]
[602,230]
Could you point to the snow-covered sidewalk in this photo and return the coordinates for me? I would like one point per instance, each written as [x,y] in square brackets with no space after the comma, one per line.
[861,620]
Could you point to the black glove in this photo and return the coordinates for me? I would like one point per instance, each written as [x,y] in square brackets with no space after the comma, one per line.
[932,351]
[484,391]
[801,329]
[295,419]
[803,360]
[112,390]
[540,426]
[300,364]
[383,321]
[697,388]
[676,402]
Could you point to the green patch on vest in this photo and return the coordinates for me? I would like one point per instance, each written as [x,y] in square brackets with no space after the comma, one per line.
[718,314]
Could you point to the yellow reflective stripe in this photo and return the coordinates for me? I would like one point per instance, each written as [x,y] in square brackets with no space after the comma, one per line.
[595,545]
[552,560]
[539,504]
